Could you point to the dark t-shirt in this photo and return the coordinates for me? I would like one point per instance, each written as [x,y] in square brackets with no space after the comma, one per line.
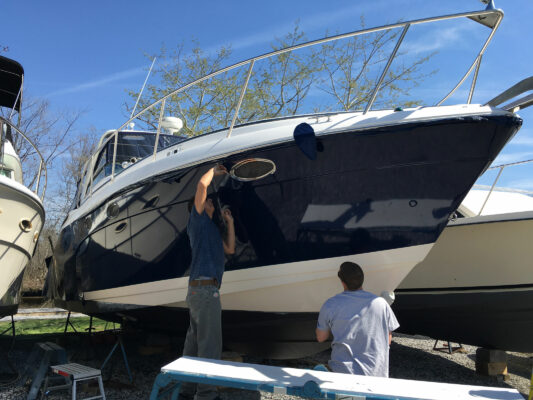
[206,245]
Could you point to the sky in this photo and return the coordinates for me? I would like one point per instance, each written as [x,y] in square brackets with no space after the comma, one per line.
[84,56]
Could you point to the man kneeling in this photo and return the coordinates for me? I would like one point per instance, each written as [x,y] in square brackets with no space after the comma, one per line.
[361,324]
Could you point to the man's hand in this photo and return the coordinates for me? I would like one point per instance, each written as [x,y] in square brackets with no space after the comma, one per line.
[226,214]
[219,170]
[321,335]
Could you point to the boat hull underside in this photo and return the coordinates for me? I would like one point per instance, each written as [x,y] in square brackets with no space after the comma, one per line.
[495,319]
[9,303]
[365,193]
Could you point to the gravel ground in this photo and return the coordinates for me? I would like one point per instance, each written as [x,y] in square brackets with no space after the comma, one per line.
[411,358]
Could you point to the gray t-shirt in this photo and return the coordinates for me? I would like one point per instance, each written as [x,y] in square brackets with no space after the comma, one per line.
[360,323]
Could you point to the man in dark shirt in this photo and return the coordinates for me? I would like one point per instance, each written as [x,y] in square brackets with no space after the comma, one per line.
[204,337]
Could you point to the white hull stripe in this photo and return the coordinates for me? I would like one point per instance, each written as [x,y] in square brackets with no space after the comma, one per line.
[292,287]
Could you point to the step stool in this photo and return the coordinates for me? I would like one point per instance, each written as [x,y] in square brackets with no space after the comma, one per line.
[76,373]
[42,356]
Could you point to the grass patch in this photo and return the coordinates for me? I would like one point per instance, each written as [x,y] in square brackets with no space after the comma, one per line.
[50,326]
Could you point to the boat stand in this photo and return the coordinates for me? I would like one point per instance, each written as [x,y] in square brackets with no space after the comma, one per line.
[67,323]
[118,342]
[448,347]
[4,353]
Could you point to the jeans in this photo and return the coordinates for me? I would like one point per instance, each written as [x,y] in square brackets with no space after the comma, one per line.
[204,337]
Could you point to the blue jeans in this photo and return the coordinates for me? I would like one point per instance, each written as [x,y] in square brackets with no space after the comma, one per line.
[204,337]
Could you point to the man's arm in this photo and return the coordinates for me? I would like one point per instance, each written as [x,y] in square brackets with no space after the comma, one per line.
[203,184]
[229,241]
[322,335]
[390,338]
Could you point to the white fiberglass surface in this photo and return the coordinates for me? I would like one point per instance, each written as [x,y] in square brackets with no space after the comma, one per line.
[499,202]
[295,287]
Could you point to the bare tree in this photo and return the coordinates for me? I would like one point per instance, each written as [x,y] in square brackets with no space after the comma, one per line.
[64,192]
[351,68]
[58,203]
[49,131]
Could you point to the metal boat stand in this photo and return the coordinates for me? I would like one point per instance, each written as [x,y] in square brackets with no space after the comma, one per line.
[67,323]
[118,342]
[448,347]
[4,353]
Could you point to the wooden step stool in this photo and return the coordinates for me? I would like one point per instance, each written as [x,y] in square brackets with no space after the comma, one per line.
[76,373]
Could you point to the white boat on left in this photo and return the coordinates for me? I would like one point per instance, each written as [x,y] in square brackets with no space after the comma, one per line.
[21,208]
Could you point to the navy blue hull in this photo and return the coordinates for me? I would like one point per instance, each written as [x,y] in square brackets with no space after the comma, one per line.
[494,318]
[367,191]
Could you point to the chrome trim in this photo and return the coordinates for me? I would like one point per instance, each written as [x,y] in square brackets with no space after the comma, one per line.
[501,167]
[386,69]
[42,164]
[474,80]
[245,86]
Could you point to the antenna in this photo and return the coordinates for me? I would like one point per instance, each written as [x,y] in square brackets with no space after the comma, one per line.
[489,3]
[141,92]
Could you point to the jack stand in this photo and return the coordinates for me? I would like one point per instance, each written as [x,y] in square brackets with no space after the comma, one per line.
[448,347]
[118,342]
[90,329]
[5,354]
[11,328]
[67,323]
[530,397]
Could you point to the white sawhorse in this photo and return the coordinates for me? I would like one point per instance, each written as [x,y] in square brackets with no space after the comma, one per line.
[311,383]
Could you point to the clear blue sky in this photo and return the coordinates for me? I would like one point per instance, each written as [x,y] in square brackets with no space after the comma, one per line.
[83,56]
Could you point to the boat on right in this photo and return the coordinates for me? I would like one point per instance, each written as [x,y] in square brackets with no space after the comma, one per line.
[476,284]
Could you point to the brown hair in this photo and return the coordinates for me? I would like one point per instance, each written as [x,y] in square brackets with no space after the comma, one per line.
[352,275]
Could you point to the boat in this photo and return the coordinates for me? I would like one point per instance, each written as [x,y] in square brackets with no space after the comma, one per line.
[476,284]
[307,193]
[21,209]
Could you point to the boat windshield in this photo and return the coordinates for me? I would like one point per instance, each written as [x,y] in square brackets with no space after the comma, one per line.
[131,147]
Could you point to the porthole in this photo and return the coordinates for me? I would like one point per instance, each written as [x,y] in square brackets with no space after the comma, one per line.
[25,225]
[120,227]
[152,202]
[113,210]
[252,169]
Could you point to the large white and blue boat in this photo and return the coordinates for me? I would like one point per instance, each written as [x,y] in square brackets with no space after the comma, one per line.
[307,192]
[21,209]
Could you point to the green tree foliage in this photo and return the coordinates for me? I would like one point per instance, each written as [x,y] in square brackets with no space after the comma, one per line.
[335,76]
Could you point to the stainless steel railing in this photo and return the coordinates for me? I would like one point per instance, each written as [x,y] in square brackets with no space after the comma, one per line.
[42,164]
[500,168]
[490,17]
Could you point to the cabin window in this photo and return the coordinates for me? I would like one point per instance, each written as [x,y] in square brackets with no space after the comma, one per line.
[8,173]
[131,147]
[101,163]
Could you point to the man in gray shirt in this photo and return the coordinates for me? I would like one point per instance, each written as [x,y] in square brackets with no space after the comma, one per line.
[361,324]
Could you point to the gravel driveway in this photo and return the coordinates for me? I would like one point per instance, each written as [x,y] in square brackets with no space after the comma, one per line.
[411,358]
